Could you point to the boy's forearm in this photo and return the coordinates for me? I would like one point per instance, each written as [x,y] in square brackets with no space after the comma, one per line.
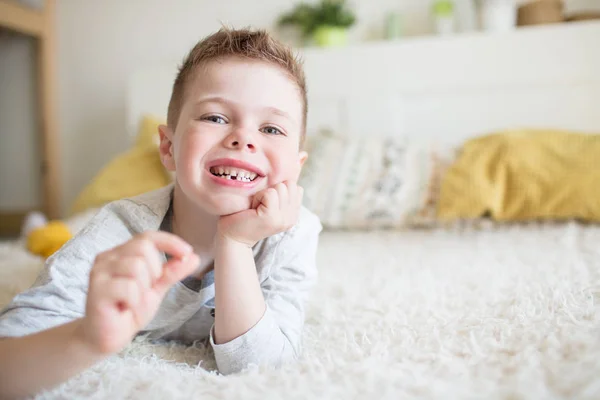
[43,360]
[238,297]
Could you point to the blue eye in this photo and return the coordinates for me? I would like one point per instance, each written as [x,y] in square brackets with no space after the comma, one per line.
[271,130]
[216,119]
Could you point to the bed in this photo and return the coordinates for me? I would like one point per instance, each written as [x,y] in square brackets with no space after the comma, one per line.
[494,311]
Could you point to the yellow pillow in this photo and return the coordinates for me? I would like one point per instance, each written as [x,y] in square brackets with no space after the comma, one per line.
[147,136]
[137,171]
[524,175]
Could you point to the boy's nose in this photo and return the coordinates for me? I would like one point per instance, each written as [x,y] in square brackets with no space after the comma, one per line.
[237,144]
[240,141]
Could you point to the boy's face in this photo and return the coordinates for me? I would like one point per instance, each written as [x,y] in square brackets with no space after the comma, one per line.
[238,133]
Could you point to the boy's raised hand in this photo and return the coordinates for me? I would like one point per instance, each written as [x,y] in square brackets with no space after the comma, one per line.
[127,285]
[273,210]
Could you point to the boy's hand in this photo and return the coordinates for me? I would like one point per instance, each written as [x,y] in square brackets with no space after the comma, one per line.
[127,285]
[273,210]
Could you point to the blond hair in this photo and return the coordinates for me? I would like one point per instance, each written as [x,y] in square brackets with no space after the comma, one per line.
[246,43]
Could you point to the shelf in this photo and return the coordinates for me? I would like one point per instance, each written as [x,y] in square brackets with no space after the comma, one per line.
[547,32]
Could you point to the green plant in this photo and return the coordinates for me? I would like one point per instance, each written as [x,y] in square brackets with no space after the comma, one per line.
[443,8]
[309,18]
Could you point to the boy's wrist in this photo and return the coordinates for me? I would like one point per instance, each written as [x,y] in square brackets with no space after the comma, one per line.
[224,240]
[81,341]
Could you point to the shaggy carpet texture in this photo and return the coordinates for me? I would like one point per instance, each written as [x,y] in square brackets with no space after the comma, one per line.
[505,313]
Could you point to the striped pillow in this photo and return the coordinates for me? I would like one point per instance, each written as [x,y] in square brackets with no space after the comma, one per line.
[366,182]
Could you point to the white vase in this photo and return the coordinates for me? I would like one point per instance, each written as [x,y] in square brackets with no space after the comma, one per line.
[466,15]
[497,15]
[444,26]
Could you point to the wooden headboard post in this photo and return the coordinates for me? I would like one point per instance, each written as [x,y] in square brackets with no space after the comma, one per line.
[40,24]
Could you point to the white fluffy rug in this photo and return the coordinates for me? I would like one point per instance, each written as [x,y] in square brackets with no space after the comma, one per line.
[508,313]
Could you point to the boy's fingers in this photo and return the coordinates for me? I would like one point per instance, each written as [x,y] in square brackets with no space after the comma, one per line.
[175,270]
[282,195]
[135,268]
[271,199]
[168,243]
[147,250]
[124,291]
[293,190]
[256,200]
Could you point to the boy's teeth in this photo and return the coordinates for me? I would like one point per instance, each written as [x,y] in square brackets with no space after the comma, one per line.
[234,173]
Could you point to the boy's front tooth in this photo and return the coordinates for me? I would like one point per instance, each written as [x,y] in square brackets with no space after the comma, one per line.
[235,173]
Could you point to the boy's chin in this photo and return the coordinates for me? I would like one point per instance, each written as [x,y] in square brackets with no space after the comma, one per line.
[230,206]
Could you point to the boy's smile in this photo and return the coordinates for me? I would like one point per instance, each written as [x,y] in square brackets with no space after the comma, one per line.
[233,172]
[238,133]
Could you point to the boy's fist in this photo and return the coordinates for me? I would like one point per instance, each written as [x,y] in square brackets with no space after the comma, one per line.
[273,210]
[127,285]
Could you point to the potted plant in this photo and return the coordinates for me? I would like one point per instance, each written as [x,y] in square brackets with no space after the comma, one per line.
[443,13]
[326,22]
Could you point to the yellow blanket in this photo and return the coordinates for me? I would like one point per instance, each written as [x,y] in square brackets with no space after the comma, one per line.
[524,175]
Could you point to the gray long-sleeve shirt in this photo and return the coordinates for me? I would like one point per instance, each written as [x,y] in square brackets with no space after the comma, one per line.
[285,264]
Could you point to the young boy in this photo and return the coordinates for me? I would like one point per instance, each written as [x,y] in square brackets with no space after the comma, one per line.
[226,253]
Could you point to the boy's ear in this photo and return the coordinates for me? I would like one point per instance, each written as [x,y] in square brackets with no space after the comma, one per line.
[166,147]
[302,158]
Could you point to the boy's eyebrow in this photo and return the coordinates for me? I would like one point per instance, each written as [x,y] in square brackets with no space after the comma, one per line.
[277,111]
[222,100]
[213,99]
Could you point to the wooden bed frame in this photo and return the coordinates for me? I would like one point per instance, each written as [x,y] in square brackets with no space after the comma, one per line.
[40,24]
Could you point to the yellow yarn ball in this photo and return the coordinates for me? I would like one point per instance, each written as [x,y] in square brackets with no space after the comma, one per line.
[48,239]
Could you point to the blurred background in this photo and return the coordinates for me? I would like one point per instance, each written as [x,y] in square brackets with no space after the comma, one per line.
[65,66]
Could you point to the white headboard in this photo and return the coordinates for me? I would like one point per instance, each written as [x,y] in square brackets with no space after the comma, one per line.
[444,89]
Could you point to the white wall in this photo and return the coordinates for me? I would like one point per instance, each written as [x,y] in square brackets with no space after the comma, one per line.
[102,42]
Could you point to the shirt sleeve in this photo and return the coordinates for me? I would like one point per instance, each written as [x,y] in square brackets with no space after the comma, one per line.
[59,293]
[277,336]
